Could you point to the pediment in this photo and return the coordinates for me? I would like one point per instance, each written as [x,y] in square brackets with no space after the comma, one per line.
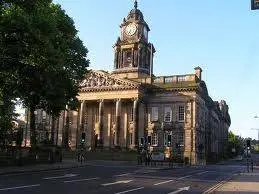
[101,80]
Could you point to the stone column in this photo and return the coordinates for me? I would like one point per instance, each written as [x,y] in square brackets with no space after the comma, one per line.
[132,57]
[139,56]
[188,132]
[135,120]
[117,122]
[121,59]
[81,113]
[116,58]
[80,124]
[101,111]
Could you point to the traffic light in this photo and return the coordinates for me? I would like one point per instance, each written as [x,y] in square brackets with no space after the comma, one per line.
[83,138]
[169,140]
[248,143]
[142,141]
[149,140]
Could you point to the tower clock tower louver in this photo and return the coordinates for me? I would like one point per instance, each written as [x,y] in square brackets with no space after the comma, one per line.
[133,54]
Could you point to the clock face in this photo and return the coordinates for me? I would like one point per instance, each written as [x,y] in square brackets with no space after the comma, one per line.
[131,29]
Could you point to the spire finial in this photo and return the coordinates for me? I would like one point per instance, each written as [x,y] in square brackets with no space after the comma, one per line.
[136,4]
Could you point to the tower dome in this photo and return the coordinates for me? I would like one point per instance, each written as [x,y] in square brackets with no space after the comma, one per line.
[135,13]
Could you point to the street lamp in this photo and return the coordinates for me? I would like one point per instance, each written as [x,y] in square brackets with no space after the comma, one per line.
[256,117]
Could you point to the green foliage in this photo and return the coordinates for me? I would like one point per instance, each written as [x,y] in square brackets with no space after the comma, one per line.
[6,115]
[235,142]
[42,60]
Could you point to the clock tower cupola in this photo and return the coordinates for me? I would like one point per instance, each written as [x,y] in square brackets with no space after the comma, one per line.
[133,54]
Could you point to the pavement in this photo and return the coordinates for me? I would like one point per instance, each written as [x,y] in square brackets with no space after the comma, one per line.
[245,182]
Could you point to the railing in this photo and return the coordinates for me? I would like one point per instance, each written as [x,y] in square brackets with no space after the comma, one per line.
[147,161]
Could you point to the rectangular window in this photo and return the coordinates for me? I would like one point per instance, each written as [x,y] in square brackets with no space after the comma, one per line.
[154,140]
[167,139]
[181,139]
[181,113]
[96,114]
[44,115]
[167,114]
[154,114]
[131,114]
[113,114]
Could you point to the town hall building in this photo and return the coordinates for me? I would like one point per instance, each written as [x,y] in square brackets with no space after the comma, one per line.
[131,107]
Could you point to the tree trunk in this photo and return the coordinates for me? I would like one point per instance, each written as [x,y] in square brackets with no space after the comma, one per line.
[57,125]
[53,129]
[66,142]
[32,127]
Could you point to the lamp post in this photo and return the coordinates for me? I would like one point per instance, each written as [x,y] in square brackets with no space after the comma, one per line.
[256,117]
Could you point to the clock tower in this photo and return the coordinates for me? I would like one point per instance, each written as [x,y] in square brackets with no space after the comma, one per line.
[133,54]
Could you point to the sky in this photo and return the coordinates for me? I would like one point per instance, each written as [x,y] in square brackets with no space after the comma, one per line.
[219,36]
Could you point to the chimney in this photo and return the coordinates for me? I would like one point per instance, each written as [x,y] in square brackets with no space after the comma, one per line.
[198,71]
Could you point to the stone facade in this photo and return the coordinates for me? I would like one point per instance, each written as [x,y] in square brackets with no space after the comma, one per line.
[131,108]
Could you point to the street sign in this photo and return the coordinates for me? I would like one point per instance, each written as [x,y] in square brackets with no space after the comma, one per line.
[254,4]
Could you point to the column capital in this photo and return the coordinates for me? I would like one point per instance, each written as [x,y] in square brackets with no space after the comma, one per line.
[135,99]
[82,101]
[117,99]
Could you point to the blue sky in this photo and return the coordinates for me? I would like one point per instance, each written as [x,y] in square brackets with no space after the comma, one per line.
[218,35]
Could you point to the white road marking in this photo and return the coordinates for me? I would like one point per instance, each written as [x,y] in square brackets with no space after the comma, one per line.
[19,187]
[81,180]
[125,174]
[131,190]
[210,190]
[202,173]
[117,182]
[180,190]
[59,177]
[184,177]
[164,182]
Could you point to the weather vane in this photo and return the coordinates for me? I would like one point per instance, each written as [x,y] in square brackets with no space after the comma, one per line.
[136,4]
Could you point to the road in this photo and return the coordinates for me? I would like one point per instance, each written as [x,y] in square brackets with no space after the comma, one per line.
[118,179]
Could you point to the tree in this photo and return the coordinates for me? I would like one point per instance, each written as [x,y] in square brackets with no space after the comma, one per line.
[235,142]
[42,53]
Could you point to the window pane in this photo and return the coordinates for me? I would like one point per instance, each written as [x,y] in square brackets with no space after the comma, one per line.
[181,113]
[167,114]
[154,114]
[154,139]
[131,114]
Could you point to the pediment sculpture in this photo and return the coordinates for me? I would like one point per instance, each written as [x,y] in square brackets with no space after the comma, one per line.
[99,80]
